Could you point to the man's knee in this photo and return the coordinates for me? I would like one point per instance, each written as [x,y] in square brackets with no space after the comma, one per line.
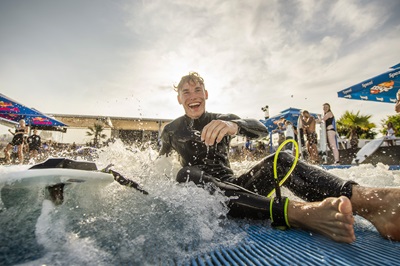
[190,173]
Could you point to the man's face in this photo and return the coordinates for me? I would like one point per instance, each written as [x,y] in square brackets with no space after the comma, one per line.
[193,97]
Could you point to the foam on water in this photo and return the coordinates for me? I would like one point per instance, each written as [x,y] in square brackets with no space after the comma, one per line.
[101,224]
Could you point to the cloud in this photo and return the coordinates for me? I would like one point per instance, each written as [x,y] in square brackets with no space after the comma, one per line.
[122,57]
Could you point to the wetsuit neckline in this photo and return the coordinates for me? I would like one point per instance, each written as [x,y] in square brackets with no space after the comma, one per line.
[194,119]
[195,123]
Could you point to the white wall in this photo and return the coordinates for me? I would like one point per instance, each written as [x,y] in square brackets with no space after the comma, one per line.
[77,135]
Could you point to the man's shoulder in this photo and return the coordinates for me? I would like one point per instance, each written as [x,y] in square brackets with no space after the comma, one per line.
[226,117]
[175,122]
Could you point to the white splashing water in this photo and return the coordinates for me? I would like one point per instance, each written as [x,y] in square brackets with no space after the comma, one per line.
[110,224]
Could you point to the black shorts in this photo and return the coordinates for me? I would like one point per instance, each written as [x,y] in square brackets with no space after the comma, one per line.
[33,147]
[17,140]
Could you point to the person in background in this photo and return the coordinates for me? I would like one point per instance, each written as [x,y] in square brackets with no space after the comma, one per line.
[266,112]
[390,134]
[309,123]
[202,140]
[34,143]
[17,140]
[331,135]
[280,130]
[289,134]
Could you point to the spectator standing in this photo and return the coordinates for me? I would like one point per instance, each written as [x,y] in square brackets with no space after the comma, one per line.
[34,143]
[308,123]
[18,140]
[330,126]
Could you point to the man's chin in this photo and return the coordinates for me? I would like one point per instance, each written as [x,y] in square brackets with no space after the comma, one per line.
[194,115]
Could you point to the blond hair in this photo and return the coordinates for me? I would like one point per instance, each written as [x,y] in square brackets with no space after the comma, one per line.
[193,77]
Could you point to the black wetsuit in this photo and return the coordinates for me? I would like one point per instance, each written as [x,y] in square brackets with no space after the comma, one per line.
[34,142]
[203,164]
[18,139]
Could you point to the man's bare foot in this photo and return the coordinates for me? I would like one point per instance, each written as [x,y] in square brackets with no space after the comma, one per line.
[380,206]
[332,217]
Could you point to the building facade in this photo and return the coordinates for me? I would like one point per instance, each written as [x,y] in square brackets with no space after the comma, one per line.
[128,129]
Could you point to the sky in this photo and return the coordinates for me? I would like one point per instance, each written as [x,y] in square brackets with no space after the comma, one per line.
[122,57]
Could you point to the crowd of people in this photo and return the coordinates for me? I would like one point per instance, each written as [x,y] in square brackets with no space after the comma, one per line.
[305,134]
[24,149]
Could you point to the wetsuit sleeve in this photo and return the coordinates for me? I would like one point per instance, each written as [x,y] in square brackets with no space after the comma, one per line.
[166,146]
[251,128]
[249,205]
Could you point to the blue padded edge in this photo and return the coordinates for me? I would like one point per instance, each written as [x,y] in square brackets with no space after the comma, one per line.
[266,246]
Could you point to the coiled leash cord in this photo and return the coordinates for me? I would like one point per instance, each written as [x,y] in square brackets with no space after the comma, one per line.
[278,184]
[278,208]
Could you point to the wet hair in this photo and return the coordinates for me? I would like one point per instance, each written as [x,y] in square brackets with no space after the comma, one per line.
[193,77]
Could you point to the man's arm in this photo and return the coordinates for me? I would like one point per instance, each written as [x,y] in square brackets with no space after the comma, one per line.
[165,143]
[216,130]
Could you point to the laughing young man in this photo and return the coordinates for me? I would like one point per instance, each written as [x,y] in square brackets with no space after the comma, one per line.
[202,140]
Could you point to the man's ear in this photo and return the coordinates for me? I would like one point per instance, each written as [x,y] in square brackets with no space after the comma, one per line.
[179,99]
[206,93]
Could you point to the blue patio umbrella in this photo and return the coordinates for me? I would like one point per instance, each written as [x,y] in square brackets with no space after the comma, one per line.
[12,111]
[291,114]
[382,88]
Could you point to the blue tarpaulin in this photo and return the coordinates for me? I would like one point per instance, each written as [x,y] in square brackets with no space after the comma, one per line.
[382,88]
[12,111]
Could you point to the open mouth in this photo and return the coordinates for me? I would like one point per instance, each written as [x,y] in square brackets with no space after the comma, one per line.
[194,106]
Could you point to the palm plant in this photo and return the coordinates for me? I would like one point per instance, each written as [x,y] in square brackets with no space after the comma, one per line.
[96,132]
[354,125]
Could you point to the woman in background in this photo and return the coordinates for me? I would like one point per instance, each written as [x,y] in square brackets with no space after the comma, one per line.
[390,134]
[330,125]
[18,140]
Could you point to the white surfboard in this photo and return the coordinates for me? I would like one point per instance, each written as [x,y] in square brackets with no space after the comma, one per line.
[52,183]
[48,177]
[367,150]
[300,140]
[323,142]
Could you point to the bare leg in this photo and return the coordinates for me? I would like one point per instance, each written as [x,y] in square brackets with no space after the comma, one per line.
[380,206]
[7,153]
[332,143]
[332,217]
[21,153]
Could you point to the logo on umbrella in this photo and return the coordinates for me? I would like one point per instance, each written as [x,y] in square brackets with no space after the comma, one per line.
[383,87]
[7,106]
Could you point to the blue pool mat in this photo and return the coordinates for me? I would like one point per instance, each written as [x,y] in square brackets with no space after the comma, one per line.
[347,166]
[266,246]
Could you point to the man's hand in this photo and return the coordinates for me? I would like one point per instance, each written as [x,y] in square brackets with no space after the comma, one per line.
[216,130]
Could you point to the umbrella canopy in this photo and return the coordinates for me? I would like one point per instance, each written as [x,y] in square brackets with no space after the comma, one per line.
[13,111]
[290,114]
[382,88]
